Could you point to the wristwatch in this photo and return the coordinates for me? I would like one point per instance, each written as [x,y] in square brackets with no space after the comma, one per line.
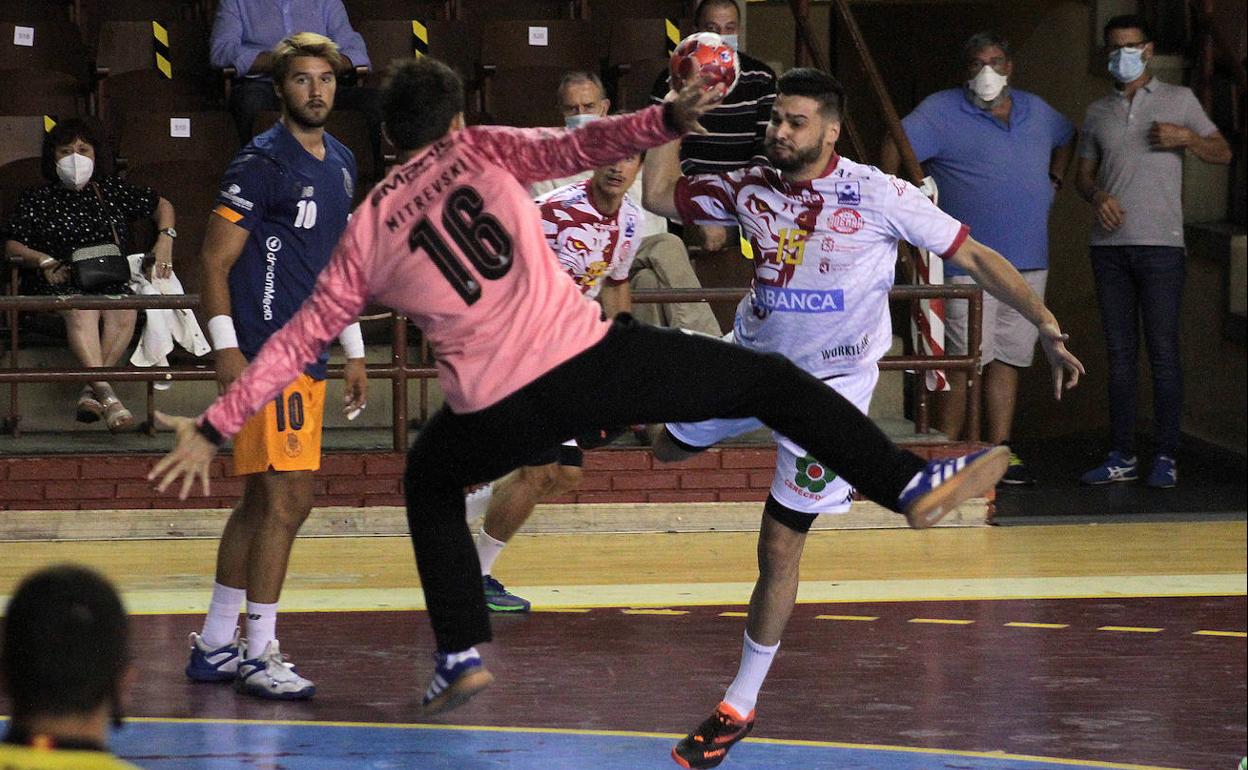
[169,231]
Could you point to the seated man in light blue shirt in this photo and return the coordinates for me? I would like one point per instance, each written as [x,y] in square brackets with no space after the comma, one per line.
[243,33]
[998,155]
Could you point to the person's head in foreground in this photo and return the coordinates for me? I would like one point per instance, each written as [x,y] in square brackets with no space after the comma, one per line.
[64,657]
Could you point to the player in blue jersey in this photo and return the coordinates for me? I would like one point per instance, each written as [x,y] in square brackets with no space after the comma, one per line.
[283,204]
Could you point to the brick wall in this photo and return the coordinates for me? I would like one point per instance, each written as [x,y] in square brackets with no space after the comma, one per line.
[615,475]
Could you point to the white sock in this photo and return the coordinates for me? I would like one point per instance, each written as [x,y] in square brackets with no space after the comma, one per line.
[457,657]
[755,662]
[261,627]
[222,616]
[488,550]
[477,502]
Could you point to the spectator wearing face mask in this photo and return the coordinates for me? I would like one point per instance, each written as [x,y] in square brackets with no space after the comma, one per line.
[736,128]
[998,155]
[1131,172]
[661,261]
[84,206]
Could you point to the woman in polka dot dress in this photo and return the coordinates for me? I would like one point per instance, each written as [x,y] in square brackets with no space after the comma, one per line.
[82,206]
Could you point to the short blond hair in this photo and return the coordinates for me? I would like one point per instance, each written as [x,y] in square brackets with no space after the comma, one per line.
[304,44]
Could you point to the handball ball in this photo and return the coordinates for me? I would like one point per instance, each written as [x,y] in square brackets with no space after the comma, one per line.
[705,54]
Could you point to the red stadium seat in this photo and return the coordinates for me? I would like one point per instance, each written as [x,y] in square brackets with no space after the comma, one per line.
[619,10]
[140,71]
[41,92]
[27,11]
[521,78]
[147,137]
[21,136]
[480,11]
[452,42]
[54,45]
[369,10]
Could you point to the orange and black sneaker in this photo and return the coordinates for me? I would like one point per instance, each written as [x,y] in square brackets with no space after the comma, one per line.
[708,745]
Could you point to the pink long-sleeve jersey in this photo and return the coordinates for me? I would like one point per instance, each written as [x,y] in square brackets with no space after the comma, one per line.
[452,240]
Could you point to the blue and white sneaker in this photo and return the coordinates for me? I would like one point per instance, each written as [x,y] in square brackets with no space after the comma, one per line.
[212,665]
[456,678]
[945,484]
[499,599]
[1117,467]
[1165,473]
[269,676]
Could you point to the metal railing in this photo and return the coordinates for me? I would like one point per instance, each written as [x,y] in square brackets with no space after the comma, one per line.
[400,369]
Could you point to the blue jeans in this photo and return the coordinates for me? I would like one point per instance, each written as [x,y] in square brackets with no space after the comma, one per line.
[1135,283]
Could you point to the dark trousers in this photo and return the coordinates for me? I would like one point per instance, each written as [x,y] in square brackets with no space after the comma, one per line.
[636,374]
[251,96]
[1134,284]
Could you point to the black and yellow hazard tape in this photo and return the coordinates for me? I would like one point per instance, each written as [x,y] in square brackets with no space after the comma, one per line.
[420,39]
[160,46]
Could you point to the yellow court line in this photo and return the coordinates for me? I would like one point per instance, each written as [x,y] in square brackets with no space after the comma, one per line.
[1037,625]
[638,734]
[561,609]
[1132,629]
[864,618]
[734,614]
[655,612]
[1236,634]
[941,621]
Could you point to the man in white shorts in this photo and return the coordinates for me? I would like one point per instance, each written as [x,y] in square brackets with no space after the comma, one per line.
[824,232]
[593,228]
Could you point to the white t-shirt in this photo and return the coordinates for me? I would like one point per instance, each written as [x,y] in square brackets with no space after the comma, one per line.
[591,246]
[824,253]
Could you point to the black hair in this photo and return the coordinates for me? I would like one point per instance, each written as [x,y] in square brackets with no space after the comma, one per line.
[419,100]
[67,131]
[981,40]
[65,644]
[702,6]
[1127,21]
[814,84]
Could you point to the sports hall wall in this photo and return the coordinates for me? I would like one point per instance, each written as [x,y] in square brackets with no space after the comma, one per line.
[916,46]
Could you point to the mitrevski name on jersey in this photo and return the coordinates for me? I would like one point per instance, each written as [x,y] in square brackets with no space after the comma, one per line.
[408,173]
[430,192]
[783,300]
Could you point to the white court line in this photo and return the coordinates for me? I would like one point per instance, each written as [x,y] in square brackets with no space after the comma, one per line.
[693,594]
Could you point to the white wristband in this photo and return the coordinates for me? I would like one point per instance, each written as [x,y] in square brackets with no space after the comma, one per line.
[352,341]
[221,329]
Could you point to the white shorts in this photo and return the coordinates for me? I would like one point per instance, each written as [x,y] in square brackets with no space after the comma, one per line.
[801,482]
[1007,336]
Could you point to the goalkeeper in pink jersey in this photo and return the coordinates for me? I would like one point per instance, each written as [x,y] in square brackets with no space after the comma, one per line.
[451,240]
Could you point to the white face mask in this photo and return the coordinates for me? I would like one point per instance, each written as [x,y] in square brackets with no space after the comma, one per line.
[573,122]
[988,84]
[75,170]
[730,41]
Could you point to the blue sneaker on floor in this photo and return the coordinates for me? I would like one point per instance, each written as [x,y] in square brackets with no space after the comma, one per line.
[212,665]
[456,678]
[944,484]
[1165,473]
[499,599]
[1117,467]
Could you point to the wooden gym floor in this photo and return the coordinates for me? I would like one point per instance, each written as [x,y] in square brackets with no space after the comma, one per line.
[1037,647]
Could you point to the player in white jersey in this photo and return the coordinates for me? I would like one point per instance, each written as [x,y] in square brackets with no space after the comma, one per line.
[593,227]
[824,231]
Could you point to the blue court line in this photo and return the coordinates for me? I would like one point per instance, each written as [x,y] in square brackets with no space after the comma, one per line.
[159,744]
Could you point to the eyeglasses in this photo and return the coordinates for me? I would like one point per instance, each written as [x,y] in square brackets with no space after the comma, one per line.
[1120,46]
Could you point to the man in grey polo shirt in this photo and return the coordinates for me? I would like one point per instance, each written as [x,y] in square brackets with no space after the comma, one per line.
[1131,171]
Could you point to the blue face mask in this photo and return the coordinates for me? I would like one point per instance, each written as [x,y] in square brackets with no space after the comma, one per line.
[1126,64]
[574,122]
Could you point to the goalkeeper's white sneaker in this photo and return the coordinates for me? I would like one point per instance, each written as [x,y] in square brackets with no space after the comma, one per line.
[270,676]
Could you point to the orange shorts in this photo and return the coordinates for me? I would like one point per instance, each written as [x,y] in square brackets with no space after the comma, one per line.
[286,434]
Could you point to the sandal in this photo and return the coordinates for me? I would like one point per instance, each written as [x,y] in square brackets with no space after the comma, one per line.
[89,407]
[116,416]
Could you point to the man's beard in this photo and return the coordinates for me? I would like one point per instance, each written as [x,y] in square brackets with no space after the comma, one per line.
[800,158]
[302,117]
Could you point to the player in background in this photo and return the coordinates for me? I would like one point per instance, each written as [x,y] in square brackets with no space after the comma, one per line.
[824,231]
[593,227]
[283,204]
[451,240]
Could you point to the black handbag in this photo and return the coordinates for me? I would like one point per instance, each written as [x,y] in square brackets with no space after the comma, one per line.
[95,267]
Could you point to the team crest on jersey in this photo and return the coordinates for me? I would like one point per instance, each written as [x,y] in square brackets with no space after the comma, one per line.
[825,265]
[293,448]
[630,226]
[849,193]
[347,185]
[308,191]
[846,221]
[811,479]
